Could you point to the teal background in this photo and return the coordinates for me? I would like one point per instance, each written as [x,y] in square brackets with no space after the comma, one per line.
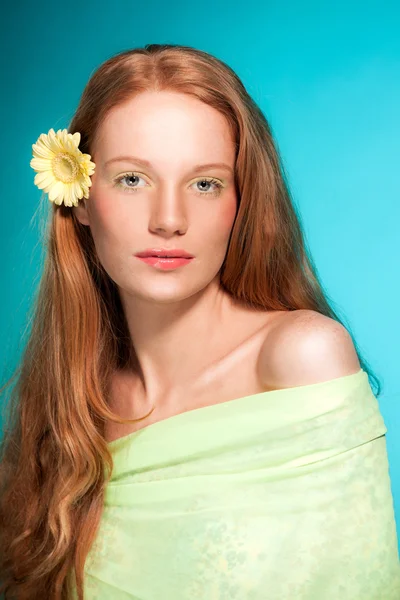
[327,76]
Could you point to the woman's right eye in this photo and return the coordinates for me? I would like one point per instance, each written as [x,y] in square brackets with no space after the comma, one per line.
[129,177]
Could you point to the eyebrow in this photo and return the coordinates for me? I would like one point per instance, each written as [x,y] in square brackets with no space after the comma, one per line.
[147,164]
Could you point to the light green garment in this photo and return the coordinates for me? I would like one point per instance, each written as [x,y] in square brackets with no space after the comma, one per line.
[281,495]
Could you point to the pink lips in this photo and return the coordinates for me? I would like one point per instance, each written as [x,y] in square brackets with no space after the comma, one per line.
[165,258]
[164,252]
[165,264]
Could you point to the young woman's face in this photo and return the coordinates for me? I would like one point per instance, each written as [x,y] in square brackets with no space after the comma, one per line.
[165,202]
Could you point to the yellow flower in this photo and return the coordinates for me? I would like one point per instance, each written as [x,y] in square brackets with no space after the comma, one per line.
[63,171]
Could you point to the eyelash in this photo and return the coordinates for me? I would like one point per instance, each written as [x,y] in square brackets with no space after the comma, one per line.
[219,185]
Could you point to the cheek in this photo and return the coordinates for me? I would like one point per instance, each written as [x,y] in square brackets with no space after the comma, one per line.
[110,232]
[220,230]
[106,218]
[228,215]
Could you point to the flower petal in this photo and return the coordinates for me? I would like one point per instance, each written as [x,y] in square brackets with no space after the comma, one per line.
[86,180]
[69,200]
[40,164]
[44,178]
[73,195]
[57,141]
[60,199]
[41,151]
[56,190]
[64,138]
[76,137]
[45,141]
[77,190]
[47,188]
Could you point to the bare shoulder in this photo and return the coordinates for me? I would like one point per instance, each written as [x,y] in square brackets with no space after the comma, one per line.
[306,347]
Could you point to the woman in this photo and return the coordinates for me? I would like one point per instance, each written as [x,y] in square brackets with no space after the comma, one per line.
[244,448]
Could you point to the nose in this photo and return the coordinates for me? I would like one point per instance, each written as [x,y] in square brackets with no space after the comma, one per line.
[168,214]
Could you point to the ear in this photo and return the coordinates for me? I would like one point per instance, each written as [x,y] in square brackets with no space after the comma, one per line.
[81,212]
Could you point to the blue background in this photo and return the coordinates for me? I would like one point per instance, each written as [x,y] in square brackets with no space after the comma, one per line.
[327,76]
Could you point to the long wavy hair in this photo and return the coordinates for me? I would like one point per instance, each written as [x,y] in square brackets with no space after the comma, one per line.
[55,462]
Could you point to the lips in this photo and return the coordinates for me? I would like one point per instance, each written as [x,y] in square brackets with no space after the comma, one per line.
[164,253]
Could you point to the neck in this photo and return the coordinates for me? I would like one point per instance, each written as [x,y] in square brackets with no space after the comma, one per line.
[175,341]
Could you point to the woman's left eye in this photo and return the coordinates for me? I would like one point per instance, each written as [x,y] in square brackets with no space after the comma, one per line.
[211,181]
[205,180]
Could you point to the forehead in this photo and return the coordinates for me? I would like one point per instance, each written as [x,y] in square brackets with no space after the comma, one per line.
[157,122]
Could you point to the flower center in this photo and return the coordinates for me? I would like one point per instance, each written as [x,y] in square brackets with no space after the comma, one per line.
[65,167]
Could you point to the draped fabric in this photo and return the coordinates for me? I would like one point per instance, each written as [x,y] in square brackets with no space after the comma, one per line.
[280,495]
